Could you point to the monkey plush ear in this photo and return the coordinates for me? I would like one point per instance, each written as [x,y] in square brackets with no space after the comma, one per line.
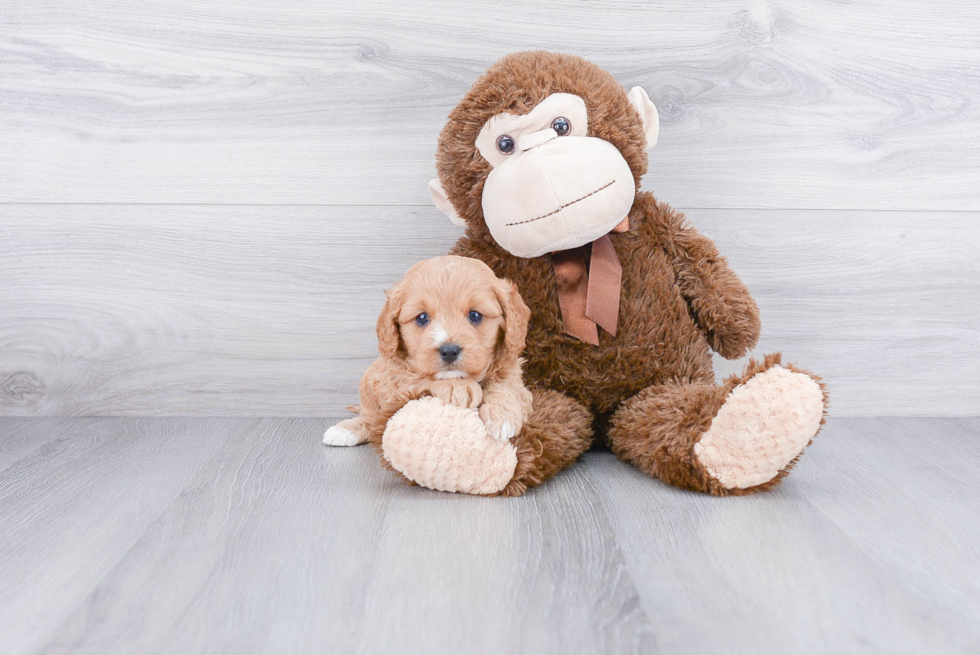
[441,201]
[648,112]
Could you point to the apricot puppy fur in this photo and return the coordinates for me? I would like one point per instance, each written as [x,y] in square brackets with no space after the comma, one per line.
[450,329]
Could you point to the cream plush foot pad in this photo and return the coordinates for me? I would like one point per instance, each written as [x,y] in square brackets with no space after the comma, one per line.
[765,422]
[447,448]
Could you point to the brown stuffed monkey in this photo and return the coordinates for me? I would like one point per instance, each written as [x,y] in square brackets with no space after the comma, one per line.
[541,161]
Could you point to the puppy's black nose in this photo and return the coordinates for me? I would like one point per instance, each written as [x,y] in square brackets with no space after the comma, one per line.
[449,352]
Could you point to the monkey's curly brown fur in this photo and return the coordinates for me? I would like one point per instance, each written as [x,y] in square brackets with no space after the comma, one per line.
[516,84]
[558,431]
[654,429]
[653,383]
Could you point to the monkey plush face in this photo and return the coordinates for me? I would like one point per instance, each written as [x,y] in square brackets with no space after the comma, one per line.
[552,175]
[552,186]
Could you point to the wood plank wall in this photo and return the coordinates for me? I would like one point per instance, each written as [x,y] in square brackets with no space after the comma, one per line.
[201,200]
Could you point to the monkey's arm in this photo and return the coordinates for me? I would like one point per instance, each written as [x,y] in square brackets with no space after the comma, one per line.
[720,302]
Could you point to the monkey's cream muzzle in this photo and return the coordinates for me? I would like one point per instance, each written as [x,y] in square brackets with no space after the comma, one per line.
[555,189]
[554,193]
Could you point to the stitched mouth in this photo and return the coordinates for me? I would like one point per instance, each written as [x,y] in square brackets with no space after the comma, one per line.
[567,204]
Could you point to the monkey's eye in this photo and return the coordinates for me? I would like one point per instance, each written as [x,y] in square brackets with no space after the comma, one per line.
[475,317]
[505,144]
[422,319]
[561,126]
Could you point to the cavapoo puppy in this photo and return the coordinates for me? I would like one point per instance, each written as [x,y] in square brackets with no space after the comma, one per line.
[453,330]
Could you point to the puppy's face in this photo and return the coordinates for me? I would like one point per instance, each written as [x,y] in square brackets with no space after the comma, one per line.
[450,318]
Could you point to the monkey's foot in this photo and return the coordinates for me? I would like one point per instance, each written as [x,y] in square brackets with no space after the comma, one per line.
[447,448]
[765,423]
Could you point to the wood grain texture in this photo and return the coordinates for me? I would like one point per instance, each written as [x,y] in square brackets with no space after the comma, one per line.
[452,575]
[79,503]
[197,310]
[876,481]
[24,436]
[267,549]
[245,536]
[771,573]
[282,545]
[159,310]
[884,306]
[764,104]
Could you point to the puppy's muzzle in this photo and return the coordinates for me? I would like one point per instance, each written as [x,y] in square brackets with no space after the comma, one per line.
[449,352]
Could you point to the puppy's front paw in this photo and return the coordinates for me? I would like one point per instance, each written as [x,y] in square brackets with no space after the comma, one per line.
[462,393]
[502,422]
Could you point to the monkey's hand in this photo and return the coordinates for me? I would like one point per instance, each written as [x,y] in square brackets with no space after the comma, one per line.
[464,393]
[721,304]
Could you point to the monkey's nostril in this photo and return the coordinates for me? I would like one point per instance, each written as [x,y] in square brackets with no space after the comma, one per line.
[449,352]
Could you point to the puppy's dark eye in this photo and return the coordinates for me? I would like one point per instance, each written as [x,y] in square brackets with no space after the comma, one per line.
[475,317]
[561,126]
[422,319]
[505,144]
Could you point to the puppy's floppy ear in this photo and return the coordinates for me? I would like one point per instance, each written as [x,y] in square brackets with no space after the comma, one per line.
[516,316]
[388,336]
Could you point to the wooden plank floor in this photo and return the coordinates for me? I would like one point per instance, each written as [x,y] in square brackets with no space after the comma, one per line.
[194,535]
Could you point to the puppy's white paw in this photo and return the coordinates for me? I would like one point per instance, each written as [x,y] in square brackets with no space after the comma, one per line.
[504,432]
[338,436]
[500,422]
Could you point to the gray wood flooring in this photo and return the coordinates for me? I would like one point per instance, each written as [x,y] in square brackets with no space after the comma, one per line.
[213,535]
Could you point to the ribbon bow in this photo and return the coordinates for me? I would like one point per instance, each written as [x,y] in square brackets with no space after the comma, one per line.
[588,292]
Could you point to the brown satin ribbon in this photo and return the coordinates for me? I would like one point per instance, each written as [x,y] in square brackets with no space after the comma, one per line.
[588,293]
